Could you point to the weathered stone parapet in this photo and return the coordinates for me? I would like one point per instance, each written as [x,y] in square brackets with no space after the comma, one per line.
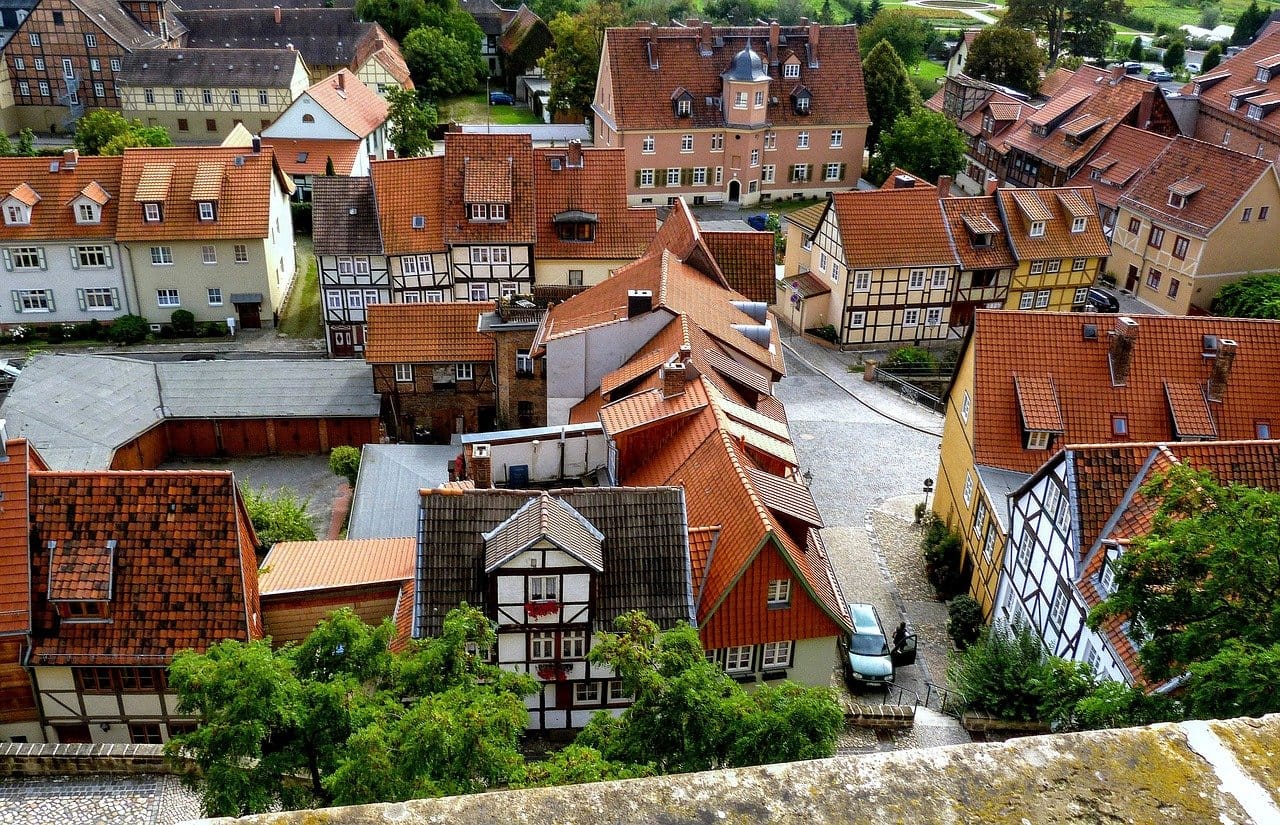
[1188,773]
[24,759]
[880,716]
[975,722]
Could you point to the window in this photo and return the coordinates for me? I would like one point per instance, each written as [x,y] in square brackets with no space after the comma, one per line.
[575,277]
[355,299]
[1134,226]
[717,141]
[1119,425]
[99,298]
[99,89]
[965,404]
[857,320]
[1025,546]
[759,98]
[979,518]
[478,292]
[91,257]
[755,157]
[1037,440]
[404,373]
[1174,284]
[1263,212]
[151,212]
[646,145]
[779,593]
[214,295]
[673,176]
[768,172]
[686,143]
[524,363]
[740,100]
[1052,266]
[149,95]
[1092,657]
[33,39]
[19,63]
[262,97]
[33,300]
[1077,225]
[145,733]
[700,176]
[940,278]
[586,693]
[210,124]
[1077,265]
[802,140]
[684,107]
[1177,201]
[933,317]
[646,177]
[862,280]
[1042,298]
[833,171]
[775,655]
[1082,295]
[168,298]
[791,70]
[542,645]
[115,64]
[837,138]
[917,279]
[573,644]
[179,96]
[235,97]
[242,253]
[616,692]
[205,208]
[1058,610]
[1153,278]
[910,317]
[94,679]
[737,659]
[719,175]
[1037,229]
[770,141]
[968,488]
[463,371]
[802,103]
[161,256]
[989,543]
[1027,300]
[24,88]
[543,588]
[208,254]
[1156,237]
[333,299]
[1262,429]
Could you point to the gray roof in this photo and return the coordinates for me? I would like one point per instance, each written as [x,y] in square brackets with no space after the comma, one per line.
[544,517]
[385,503]
[202,5]
[335,230]
[539,132]
[1000,484]
[645,551]
[262,68]
[121,27]
[746,66]
[77,409]
[325,37]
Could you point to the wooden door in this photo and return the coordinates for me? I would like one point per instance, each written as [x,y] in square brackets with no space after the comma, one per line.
[250,317]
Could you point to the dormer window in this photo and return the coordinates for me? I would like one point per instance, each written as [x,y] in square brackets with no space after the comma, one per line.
[684,108]
[206,210]
[87,213]
[1038,439]
[487,211]
[1037,229]
[152,213]
[1077,225]
[982,240]
[801,99]
[18,204]
[791,69]
[1254,113]
[1263,75]
[988,123]
[575,225]
[17,214]
[1177,201]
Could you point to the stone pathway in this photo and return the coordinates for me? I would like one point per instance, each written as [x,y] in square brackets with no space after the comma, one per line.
[93,800]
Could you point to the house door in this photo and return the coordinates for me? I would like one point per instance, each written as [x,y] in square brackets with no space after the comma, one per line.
[342,341]
[1131,282]
[735,191]
[248,308]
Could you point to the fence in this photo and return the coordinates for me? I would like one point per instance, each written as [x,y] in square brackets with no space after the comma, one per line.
[912,392]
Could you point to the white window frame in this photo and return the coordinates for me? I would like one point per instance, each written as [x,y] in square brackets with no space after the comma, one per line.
[586,693]
[1037,440]
[404,373]
[168,298]
[647,145]
[242,253]
[779,593]
[699,176]
[916,279]
[206,210]
[214,296]
[478,291]
[464,371]
[646,177]
[542,645]
[1027,300]
[162,256]
[965,403]
[940,278]
[99,299]
[151,212]
[802,140]
[791,70]
[755,157]
[1077,225]
[1042,298]
[262,97]
[1058,607]
[837,138]
[1053,267]
[673,176]
[759,99]
[543,588]
[92,257]
[1037,267]
[933,317]
[35,300]
[1037,229]
[208,254]
[862,280]
[739,659]
[833,171]
[740,100]
[1081,296]
[968,489]
[911,317]
[776,655]
[333,299]
[573,644]
[686,143]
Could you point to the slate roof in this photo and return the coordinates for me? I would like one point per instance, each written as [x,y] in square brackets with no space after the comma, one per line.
[122,27]
[254,68]
[1239,72]
[642,95]
[335,230]
[385,502]
[493,169]
[77,409]
[406,188]
[544,518]
[491,17]
[52,215]
[324,37]
[243,205]
[357,107]
[299,566]
[427,333]
[15,567]
[1223,175]
[1167,349]
[1119,158]
[644,551]
[598,186]
[184,573]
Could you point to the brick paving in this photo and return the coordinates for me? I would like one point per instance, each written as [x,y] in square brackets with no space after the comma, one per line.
[96,799]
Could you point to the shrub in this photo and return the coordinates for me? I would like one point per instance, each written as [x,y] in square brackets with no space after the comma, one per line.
[212,329]
[184,322]
[826,332]
[345,462]
[964,620]
[54,333]
[128,329]
[92,331]
[166,331]
[1257,296]
[1116,705]
[283,518]
[301,217]
[914,357]
[999,672]
[942,551]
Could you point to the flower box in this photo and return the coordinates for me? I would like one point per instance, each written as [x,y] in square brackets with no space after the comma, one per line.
[538,610]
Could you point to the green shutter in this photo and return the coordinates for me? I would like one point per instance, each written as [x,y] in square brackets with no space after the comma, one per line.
[659,177]
[686,177]
[637,177]
[115,298]
[791,174]
[48,293]
[842,166]
[8,260]
[84,302]
[75,258]
[17,300]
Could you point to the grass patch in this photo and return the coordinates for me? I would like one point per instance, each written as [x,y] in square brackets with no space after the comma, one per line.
[302,314]
[929,70]
[789,206]
[1182,12]
[475,109]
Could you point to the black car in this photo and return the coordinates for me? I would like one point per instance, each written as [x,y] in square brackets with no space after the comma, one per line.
[1101,300]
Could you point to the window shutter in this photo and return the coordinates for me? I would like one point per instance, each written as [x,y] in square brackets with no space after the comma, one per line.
[115,298]
[17,300]
[842,166]
[40,252]
[107,250]
[686,177]
[637,177]
[48,293]
[791,173]
[8,260]
[84,302]
[75,259]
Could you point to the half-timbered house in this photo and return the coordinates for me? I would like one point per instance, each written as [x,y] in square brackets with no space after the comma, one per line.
[1056,236]
[354,272]
[410,224]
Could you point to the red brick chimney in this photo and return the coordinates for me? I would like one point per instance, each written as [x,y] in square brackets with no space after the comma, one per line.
[276,11]
[575,154]
[774,30]
[944,185]
[342,80]
[1221,368]
[1123,337]
[480,466]
[814,29]
[990,187]
[1117,72]
[706,37]
[673,379]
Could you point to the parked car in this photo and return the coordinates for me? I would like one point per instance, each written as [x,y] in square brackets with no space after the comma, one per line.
[1101,300]
[1132,67]
[1193,68]
[500,99]
[1159,76]
[865,655]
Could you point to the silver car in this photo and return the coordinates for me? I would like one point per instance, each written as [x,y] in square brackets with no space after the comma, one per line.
[865,654]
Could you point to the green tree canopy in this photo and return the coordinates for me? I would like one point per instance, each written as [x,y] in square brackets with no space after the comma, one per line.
[1247,25]
[106,132]
[571,65]
[1257,296]
[1174,55]
[924,143]
[909,35]
[890,92]
[1201,591]
[1136,50]
[441,65]
[1078,26]
[279,518]
[1007,56]
[411,123]
[735,12]
[1212,58]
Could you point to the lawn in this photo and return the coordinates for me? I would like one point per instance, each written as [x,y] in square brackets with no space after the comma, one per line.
[475,109]
[301,317]
[1179,12]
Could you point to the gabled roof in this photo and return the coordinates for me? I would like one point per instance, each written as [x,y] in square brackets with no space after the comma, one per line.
[1239,72]
[1168,350]
[968,218]
[300,566]
[344,217]
[324,37]
[217,68]
[830,70]
[384,504]
[407,189]
[1117,160]
[597,185]
[1022,207]
[519,27]
[311,156]
[892,227]
[379,46]
[353,104]
[480,168]
[52,214]
[544,518]
[427,333]
[123,28]
[644,553]
[747,260]
[184,573]
[169,174]
[1223,178]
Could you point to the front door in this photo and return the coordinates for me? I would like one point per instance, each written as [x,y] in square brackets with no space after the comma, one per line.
[1131,282]
[250,317]
[735,191]
[341,341]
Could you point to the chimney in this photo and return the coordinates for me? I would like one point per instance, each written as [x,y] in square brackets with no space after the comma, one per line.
[673,379]
[773,41]
[992,184]
[706,41]
[1123,337]
[1117,72]
[276,11]
[903,182]
[70,157]
[814,29]
[342,81]
[944,185]
[481,466]
[639,301]
[686,352]
[575,154]
[1221,368]
[804,21]
[257,144]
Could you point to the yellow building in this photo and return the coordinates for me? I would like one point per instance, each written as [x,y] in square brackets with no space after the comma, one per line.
[1057,238]
[1200,217]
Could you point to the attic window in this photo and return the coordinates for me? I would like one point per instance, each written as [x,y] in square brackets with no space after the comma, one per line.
[988,122]
[82,611]
[1262,429]
[308,118]
[801,100]
[1077,225]
[556,162]
[1263,75]
[1089,332]
[982,240]
[17,214]
[419,222]
[1119,424]
[684,107]
[487,211]
[87,213]
[207,210]
[1209,343]
[1177,201]
[1037,229]
[575,225]
[302,157]
[791,69]
[152,212]
[1038,439]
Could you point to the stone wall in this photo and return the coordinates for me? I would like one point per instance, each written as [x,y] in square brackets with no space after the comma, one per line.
[20,760]
[1194,772]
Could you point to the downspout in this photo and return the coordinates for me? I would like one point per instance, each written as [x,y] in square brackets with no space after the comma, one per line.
[133,278]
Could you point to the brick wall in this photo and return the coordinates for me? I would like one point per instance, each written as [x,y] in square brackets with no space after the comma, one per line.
[17,760]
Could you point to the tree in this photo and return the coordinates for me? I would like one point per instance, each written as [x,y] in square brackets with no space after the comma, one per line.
[688,715]
[1079,26]
[547,9]
[1136,50]
[1212,58]
[573,765]
[1199,590]
[826,16]
[106,132]
[858,15]
[873,8]
[441,65]
[571,65]
[128,329]
[1007,56]
[1247,25]
[328,167]
[26,143]
[908,34]
[1174,55]
[411,123]
[6,146]
[345,461]
[398,17]
[283,518]
[1257,296]
[734,12]
[889,90]
[923,143]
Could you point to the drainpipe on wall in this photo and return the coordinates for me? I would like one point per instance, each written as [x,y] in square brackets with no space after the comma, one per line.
[133,278]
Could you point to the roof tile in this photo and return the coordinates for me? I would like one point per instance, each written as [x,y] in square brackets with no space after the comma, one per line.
[427,333]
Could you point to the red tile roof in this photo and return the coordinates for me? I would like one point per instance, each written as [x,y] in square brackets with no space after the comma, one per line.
[1168,349]
[1213,178]
[15,568]
[597,186]
[1237,73]
[427,333]
[379,46]
[294,566]
[969,217]
[308,156]
[1021,206]
[184,575]
[52,213]
[350,102]
[747,260]
[482,168]
[892,227]
[405,189]
[1038,403]
[642,95]
[1117,160]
